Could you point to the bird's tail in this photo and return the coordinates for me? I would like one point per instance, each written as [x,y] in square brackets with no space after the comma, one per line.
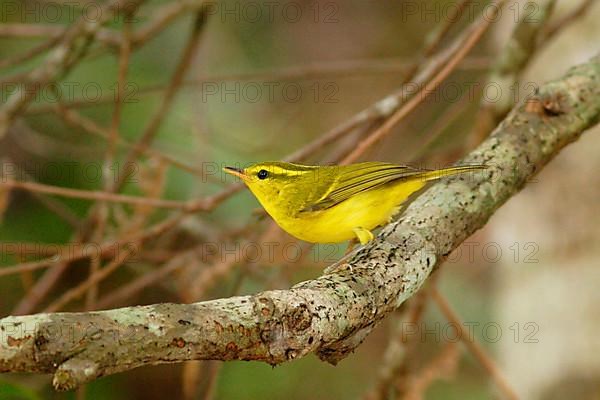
[440,173]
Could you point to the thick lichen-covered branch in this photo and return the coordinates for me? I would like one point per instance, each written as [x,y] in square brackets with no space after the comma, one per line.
[332,314]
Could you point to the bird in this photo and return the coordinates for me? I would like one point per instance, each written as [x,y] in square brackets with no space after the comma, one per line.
[336,203]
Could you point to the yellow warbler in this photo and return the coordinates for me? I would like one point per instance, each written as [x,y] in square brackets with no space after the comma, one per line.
[331,204]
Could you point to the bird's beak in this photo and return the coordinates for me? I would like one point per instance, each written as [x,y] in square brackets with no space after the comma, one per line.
[235,171]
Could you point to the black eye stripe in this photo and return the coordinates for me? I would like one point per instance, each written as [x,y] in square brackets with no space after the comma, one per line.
[262,174]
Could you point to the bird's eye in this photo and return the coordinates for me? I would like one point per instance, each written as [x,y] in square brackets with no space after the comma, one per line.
[262,174]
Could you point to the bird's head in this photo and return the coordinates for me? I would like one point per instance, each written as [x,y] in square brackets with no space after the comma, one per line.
[275,182]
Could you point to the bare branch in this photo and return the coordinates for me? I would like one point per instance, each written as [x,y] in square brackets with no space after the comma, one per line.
[475,348]
[559,25]
[506,72]
[94,195]
[429,79]
[63,57]
[306,71]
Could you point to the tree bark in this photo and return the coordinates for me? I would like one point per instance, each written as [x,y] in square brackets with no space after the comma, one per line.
[332,314]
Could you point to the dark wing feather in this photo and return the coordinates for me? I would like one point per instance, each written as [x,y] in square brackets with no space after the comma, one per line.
[357,178]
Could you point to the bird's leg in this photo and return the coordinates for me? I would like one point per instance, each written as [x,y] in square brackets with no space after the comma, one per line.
[351,245]
[363,235]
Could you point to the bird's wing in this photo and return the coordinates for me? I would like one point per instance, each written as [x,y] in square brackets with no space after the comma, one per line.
[357,178]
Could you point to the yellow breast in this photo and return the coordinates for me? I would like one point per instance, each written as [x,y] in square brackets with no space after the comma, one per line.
[367,210]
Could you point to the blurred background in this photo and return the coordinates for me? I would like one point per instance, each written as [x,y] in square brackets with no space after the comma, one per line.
[164,95]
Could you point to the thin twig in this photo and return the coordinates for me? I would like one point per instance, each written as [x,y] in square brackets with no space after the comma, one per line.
[42,286]
[163,16]
[567,20]
[102,248]
[51,204]
[30,53]
[177,77]
[73,118]
[448,62]
[59,266]
[73,45]
[305,72]
[475,348]
[506,71]
[96,195]
[23,30]
[440,126]
[400,348]
[213,377]
[436,37]
[124,54]
[127,290]
[92,281]
[442,366]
